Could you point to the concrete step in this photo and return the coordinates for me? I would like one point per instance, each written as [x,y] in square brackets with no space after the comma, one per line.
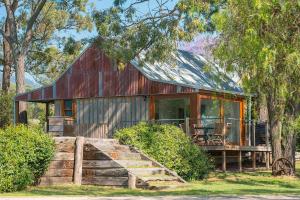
[147,171]
[134,163]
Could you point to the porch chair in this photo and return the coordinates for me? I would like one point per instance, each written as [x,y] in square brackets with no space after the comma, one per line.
[219,135]
[198,135]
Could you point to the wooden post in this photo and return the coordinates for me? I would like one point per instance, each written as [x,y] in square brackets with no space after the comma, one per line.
[16,112]
[224,134]
[240,161]
[47,115]
[187,126]
[224,161]
[78,160]
[131,181]
[267,160]
[253,160]
[253,132]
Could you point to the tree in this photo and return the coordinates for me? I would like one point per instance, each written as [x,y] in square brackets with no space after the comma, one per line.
[128,32]
[29,24]
[47,63]
[261,41]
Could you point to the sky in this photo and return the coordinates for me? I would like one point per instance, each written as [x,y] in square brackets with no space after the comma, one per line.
[105,4]
[144,8]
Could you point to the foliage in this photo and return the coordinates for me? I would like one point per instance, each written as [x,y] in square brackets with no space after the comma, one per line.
[170,146]
[153,35]
[260,40]
[31,28]
[25,154]
[6,109]
[48,62]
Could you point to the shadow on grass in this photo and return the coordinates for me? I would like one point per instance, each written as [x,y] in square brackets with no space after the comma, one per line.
[198,192]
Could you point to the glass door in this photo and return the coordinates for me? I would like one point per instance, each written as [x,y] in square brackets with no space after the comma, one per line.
[232,119]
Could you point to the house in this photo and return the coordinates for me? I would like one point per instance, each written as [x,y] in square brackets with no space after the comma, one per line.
[93,98]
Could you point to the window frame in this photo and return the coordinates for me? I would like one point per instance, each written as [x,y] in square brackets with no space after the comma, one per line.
[65,109]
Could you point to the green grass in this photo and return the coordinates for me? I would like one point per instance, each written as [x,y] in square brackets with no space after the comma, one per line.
[250,183]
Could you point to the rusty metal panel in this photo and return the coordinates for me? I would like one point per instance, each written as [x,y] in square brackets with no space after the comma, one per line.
[93,75]
[36,95]
[48,92]
[22,97]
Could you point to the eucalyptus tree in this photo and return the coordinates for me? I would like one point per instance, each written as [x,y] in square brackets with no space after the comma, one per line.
[47,63]
[261,41]
[29,24]
[150,30]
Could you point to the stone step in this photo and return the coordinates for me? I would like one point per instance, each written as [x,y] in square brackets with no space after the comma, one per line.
[134,163]
[100,164]
[147,171]
[116,147]
[111,172]
[158,178]
[102,141]
[105,181]
[163,185]
[120,155]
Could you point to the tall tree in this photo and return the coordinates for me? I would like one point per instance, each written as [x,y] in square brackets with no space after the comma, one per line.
[46,63]
[34,23]
[150,29]
[29,24]
[261,41]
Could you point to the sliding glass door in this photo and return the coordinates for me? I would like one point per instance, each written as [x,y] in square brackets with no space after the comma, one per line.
[232,119]
[216,111]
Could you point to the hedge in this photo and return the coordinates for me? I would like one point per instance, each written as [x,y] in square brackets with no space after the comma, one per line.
[170,146]
[25,154]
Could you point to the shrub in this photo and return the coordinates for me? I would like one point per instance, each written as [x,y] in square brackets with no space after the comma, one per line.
[25,154]
[170,146]
[6,109]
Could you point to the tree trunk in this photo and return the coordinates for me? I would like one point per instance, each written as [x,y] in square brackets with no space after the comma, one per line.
[20,74]
[6,76]
[275,131]
[290,148]
[275,114]
[7,65]
[20,86]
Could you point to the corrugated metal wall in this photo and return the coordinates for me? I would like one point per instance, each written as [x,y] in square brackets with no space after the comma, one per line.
[116,112]
[93,75]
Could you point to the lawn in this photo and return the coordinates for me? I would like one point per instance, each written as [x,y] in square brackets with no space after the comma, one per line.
[216,184]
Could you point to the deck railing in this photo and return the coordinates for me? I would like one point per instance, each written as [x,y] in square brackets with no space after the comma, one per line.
[236,131]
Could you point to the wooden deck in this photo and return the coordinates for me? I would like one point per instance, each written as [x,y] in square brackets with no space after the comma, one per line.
[236,148]
[240,151]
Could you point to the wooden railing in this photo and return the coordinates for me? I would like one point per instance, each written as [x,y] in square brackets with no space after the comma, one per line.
[66,126]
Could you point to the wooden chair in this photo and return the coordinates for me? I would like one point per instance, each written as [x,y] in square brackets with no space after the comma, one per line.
[219,135]
[198,135]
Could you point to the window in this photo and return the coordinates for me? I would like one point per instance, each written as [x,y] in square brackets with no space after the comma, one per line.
[68,108]
[210,109]
[172,108]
